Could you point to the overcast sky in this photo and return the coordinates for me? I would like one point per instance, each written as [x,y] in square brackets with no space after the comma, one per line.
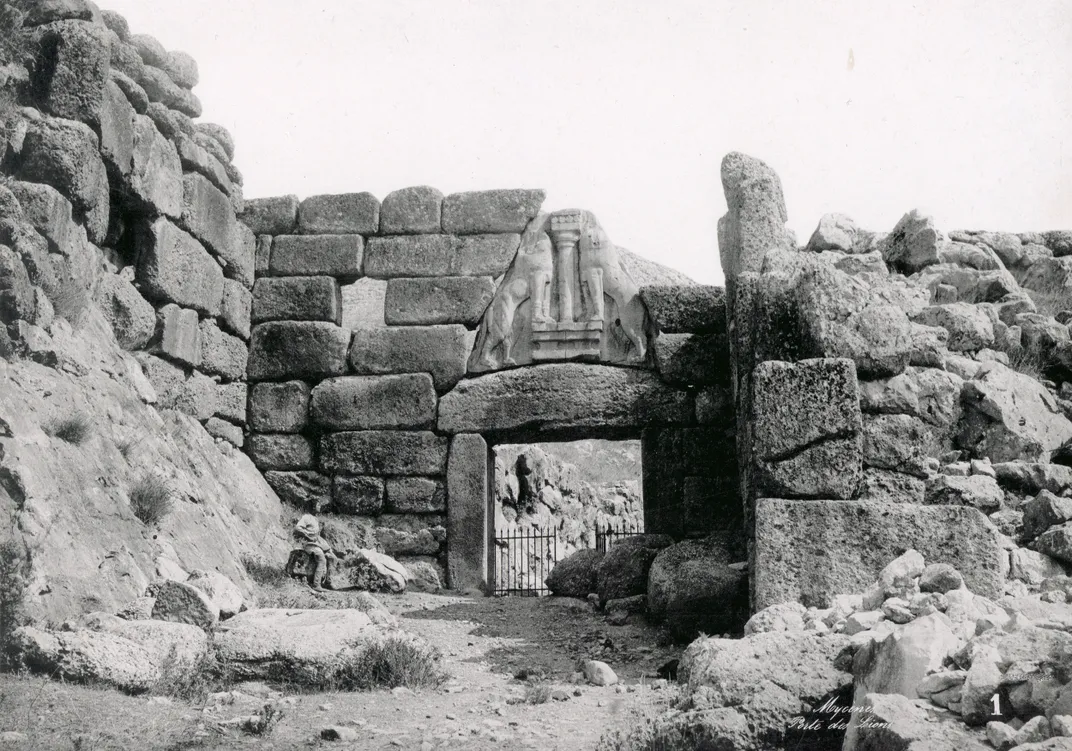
[962,108]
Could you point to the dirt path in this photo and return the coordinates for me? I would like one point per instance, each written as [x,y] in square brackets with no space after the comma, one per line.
[486,642]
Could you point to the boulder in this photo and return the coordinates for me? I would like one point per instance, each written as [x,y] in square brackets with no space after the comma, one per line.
[1031,478]
[132,318]
[77,56]
[65,154]
[207,214]
[222,354]
[180,602]
[900,442]
[305,490]
[897,722]
[979,491]
[559,397]
[692,587]
[1031,567]
[785,616]
[835,232]
[941,578]
[970,329]
[794,540]
[87,657]
[575,575]
[410,211]
[1044,511]
[155,180]
[171,645]
[599,673]
[913,244]
[221,591]
[369,571]
[180,336]
[236,307]
[623,572]
[1056,542]
[930,394]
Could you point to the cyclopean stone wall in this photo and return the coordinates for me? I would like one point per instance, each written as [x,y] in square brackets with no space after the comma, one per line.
[395,344]
[115,193]
[892,391]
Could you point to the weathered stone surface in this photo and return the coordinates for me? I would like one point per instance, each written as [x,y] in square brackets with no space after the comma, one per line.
[156,172]
[263,643]
[692,359]
[439,255]
[490,211]
[979,491]
[692,309]
[374,402]
[277,215]
[47,210]
[467,512]
[755,222]
[930,394]
[416,495]
[887,486]
[65,154]
[297,349]
[181,68]
[160,88]
[207,214]
[305,490]
[692,587]
[897,722]
[1044,511]
[370,571]
[196,397]
[358,495]
[183,603]
[78,56]
[222,136]
[279,407]
[132,318]
[383,452]
[222,354]
[263,254]
[562,397]
[794,540]
[180,336]
[438,350]
[297,298]
[231,402]
[1031,478]
[223,593]
[162,375]
[47,11]
[1031,567]
[623,572]
[411,211]
[450,299]
[899,442]
[969,327]
[323,255]
[807,428]
[240,260]
[236,307]
[835,232]
[913,243]
[575,575]
[117,130]
[196,158]
[1009,416]
[280,451]
[357,213]
[87,656]
[1056,542]
[181,644]
[175,268]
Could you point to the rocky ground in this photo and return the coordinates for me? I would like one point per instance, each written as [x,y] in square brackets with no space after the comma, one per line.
[486,643]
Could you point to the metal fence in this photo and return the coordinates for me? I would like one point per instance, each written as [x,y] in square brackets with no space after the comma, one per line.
[606,537]
[524,558]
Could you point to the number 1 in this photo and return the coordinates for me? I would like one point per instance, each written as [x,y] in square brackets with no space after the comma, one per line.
[997,703]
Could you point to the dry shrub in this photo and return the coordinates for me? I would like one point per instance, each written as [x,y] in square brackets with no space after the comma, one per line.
[192,683]
[151,498]
[393,662]
[1050,302]
[74,429]
[538,694]
[264,722]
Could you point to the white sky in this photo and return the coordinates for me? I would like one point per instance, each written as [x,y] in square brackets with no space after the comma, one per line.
[960,107]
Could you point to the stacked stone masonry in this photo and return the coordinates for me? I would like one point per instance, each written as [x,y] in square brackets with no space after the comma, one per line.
[117,195]
[372,401]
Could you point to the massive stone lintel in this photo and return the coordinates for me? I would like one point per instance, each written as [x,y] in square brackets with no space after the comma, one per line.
[565,297]
[809,551]
[563,397]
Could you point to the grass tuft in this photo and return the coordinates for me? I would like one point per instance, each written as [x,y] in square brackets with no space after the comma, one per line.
[192,683]
[151,498]
[391,663]
[538,694]
[74,429]
[264,722]
[1050,303]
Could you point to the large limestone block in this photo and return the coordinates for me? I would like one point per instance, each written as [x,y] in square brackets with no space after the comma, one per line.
[183,643]
[913,243]
[347,213]
[370,571]
[807,428]
[322,255]
[47,11]
[87,657]
[297,349]
[490,211]
[219,134]
[439,255]
[575,575]
[467,512]
[809,551]
[623,572]
[561,397]
[240,261]
[438,350]
[175,268]
[223,593]
[383,452]
[47,210]
[297,298]
[415,495]
[277,215]
[901,443]
[393,402]
[411,211]
[65,154]
[970,329]
[448,299]
[183,603]
[182,69]
[180,336]
[285,451]
[132,318]
[357,495]
[693,309]
[160,88]
[279,407]
[302,644]
[691,360]
[755,222]
[156,172]
[231,402]
[222,354]
[835,232]
[897,722]
[77,56]
[117,131]
[305,490]
[196,396]
[235,311]
[208,215]
[1009,416]
[930,394]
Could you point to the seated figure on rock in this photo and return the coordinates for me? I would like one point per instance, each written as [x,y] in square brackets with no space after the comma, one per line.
[307,535]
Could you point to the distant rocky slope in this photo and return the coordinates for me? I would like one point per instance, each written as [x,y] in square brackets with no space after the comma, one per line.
[650,273]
